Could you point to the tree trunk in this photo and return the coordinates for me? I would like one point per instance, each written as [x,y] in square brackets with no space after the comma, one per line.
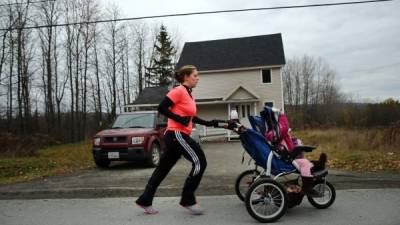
[70,72]
[19,80]
[85,81]
[99,116]
[50,101]
[114,77]
[10,85]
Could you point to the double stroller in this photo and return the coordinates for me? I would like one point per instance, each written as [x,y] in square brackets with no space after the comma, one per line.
[269,192]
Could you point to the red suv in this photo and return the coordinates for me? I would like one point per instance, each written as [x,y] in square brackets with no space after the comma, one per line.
[133,136]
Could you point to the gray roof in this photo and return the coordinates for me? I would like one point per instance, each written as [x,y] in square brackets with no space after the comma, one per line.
[234,53]
[151,95]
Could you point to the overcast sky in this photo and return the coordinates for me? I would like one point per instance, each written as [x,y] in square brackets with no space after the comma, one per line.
[362,42]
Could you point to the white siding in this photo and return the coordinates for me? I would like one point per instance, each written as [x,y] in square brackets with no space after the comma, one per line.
[241,94]
[209,112]
[219,84]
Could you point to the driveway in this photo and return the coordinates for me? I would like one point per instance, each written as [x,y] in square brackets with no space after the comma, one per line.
[128,179]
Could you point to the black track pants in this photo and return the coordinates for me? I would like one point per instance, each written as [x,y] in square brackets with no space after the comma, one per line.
[178,144]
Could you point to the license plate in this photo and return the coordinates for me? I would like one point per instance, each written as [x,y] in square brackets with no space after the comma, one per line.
[113,155]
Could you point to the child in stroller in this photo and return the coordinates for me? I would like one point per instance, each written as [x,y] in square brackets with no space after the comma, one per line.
[269,193]
[277,132]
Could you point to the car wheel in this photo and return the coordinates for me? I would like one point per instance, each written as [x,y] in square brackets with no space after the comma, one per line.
[155,155]
[102,163]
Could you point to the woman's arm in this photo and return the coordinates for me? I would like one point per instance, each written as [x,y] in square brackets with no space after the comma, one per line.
[204,122]
[163,108]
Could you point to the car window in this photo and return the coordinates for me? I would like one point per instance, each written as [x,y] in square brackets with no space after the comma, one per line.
[137,120]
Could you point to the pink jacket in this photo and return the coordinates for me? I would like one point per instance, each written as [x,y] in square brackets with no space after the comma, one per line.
[284,130]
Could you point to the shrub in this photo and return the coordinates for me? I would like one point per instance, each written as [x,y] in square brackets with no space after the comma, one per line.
[21,146]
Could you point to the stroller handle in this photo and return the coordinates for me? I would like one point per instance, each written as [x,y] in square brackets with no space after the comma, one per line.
[222,121]
[231,125]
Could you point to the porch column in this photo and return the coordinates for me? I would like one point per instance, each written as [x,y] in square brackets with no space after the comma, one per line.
[229,111]
[229,117]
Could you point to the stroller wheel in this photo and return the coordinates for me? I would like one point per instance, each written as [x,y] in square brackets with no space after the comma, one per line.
[266,200]
[244,181]
[328,195]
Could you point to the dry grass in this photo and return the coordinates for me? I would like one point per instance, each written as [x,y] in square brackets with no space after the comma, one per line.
[356,150]
[24,146]
[54,160]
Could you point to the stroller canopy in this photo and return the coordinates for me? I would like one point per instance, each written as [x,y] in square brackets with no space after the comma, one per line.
[258,147]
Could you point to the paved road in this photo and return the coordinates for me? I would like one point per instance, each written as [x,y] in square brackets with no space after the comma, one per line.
[129,179]
[352,207]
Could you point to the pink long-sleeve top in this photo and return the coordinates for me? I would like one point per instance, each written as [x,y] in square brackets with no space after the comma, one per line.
[284,130]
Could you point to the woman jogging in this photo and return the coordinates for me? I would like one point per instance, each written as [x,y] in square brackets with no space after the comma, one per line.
[180,108]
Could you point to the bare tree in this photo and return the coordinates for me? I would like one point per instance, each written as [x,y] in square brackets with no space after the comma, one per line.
[140,34]
[97,75]
[48,14]
[77,69]
[111,55]
[3,52]
[7,56]
[72,48]
[89,12]
[124,58]
[308,65]
[60,83]
[23,62]
[307,80]
[288,83]
[10,82]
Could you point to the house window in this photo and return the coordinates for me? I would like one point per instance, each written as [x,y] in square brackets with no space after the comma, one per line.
[248,110]
[269,104]
[266,76]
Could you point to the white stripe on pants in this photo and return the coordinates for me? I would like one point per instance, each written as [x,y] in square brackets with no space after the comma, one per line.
[187,147]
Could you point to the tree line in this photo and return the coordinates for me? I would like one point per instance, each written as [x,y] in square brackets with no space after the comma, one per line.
[313,99]
[69,81]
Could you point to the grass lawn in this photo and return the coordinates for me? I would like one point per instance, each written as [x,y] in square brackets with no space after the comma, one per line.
[50,161]
[352,150]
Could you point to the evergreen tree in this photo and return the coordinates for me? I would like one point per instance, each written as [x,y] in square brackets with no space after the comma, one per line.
[161,69]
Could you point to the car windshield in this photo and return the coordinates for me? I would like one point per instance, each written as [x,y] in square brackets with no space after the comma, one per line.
[144,120]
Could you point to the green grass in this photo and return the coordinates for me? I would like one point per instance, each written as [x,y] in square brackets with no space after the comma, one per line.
[50,161]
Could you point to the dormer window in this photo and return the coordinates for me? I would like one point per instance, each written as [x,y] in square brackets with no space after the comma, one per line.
[266,76]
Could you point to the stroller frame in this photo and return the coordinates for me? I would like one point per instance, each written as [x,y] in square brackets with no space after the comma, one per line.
[274,166]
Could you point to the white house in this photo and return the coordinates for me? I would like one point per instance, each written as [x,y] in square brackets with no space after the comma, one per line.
[241,73]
